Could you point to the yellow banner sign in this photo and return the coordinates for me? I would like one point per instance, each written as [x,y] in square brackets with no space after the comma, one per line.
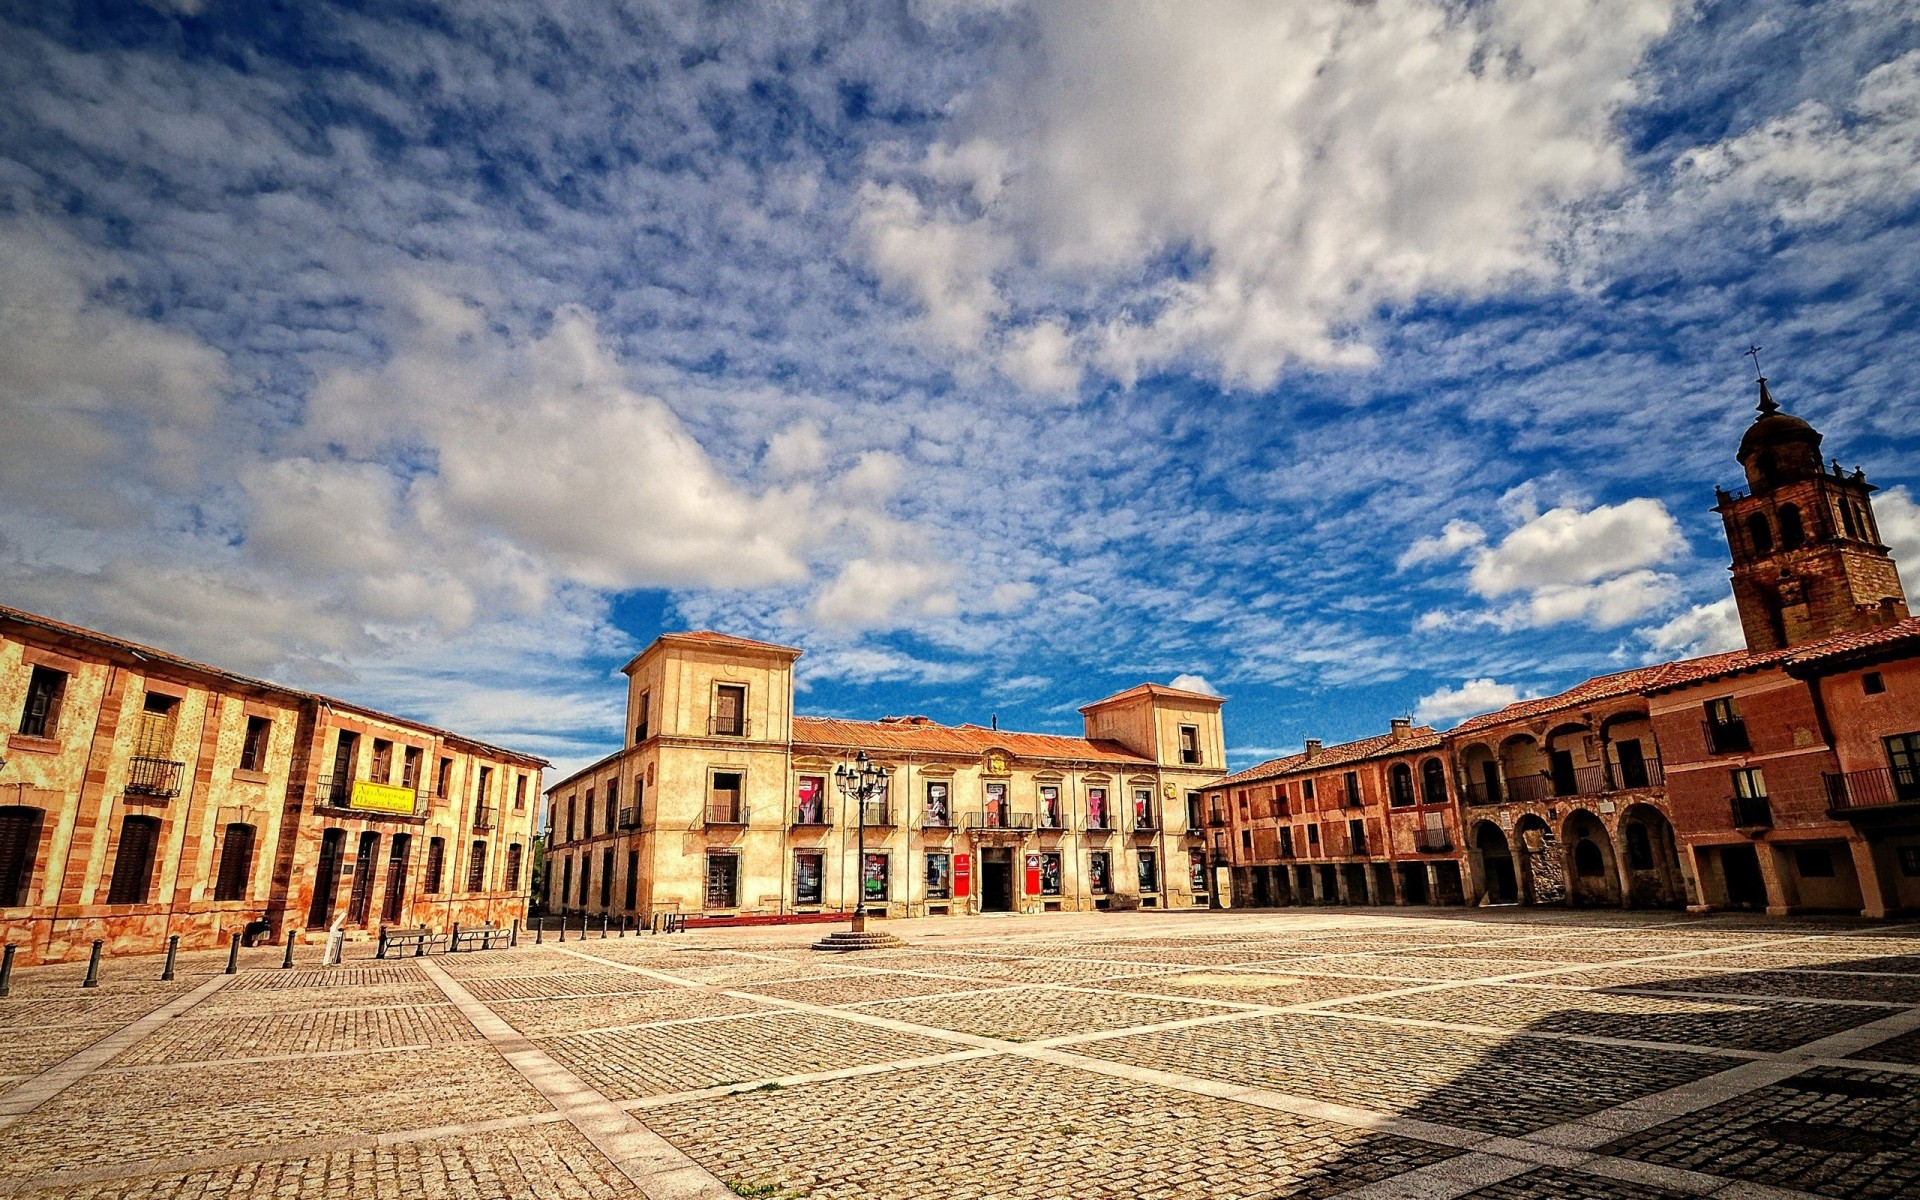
[381,797]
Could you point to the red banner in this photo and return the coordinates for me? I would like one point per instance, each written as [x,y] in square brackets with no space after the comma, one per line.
[962,876]
[1033,875]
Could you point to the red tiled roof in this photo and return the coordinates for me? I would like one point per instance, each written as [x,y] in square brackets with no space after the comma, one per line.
[726,639]
[931,737]
[1842,644]
[1379,746]
[1155,689]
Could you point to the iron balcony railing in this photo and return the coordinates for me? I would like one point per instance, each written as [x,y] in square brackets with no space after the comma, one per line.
[990,820]
[483,817]
[810,815]
[726,812]
[876,812]
[1595,781]
[157,778]
[1099,822]
[1047,820]
[337,792]
[721,727]
[1878,787]
[936,819]
[630,817]
[1432,841]
[1728,737]
[1146,822]
[1751,812]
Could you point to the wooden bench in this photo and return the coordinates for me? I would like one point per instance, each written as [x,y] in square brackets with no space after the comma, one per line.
[420,941]
[484,937]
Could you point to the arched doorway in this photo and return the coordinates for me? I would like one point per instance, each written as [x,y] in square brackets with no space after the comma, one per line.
[1543,876]
[1652,856]
[1595,878]
[1502,881]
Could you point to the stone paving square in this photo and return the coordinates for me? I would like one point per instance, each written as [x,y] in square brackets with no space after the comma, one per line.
[764,1068]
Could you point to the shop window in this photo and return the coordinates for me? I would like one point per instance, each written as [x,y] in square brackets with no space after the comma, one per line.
[236,863]
[939,876]
[46,692]
[874,877]
[1149,872]
[253,748]
[723,881]
[1100,872]
[19,850]
[133,862]
[1050,874]
[809,877]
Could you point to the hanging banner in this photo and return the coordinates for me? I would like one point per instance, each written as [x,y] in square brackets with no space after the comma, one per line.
[1033,875]
[381,797]
[962,876]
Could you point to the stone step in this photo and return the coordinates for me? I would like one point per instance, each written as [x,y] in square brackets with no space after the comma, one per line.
[846,940]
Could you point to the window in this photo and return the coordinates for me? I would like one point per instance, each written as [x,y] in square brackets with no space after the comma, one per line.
[1726,731]
[1240,798]
[875,877]
[1143,809]
[939,814]
[809,877]
[382,771]
[1050,874]
[1356,837]
[1195,818]
[939,876]
[482,793]
[1097,814]
[1050,806]
[723,880]
[1100,872]
[1872,684]
[729,710]
[436,864]
[1750,804]
[1149,872]
[153,737]
[613,804]
[346,752]
[606,878]
[360,893]
[394,905]
[236,863]
[253,748]
[1286,841]
[566,881]
[326,878]
[1433,782]
[1282,803]
[1903,756]
[640,726]
[996,806]
[1400,786]
[1351,782]
[633,880]
[724,806]
[1792,532]
[477,868]
[133,863]
[513,868]
[1760,534]
[569,836]
[1306,789]
[46,691]
[1189,744]
[586,815]
[1246,840]
[19,848]
[1313,834]
[443,779]
[1814,862]
[410,761]
[519,793]
[586,878]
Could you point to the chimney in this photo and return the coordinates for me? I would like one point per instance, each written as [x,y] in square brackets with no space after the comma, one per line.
[1313,747]
[1402,728]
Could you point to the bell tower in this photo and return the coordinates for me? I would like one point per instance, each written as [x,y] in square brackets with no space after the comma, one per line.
[1808,561]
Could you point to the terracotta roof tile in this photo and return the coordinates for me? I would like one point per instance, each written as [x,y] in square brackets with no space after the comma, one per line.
[1346,753]
[1866,639]
[1155,689]
[931,737]
[727,639]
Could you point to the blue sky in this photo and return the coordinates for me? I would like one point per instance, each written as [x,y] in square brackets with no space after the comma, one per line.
[1351,360]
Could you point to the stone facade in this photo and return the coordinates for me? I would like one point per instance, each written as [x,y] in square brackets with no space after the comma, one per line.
[723,803]
[143,796]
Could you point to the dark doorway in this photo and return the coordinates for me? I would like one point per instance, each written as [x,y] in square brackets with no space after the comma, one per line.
[395,903]
[996,880]
[1261,896]
[1564,782]
[1448,887]
[1413,884]
[1633,763]
[1490,774]
[362,891]
[326,879]
[1502,883]
[1746,887]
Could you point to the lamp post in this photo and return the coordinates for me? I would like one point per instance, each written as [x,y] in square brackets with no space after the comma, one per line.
[859,783]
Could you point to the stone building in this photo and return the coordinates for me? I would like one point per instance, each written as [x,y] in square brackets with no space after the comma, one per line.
[1785,776]
[722,804]
[144,795]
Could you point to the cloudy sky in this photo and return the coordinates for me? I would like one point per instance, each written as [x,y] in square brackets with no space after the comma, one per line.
[1348,359]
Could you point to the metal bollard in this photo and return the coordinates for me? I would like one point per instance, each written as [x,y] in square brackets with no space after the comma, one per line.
[233,955]
[286,960]
[603,927]
[563,925]
[420,947]
[453,938]
[539,928]
[93,966]
[173,949]
[513,935]
[6,970]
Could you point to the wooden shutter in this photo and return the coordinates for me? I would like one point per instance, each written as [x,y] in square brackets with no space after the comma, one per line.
[236,863]
[19,847]
[133,863]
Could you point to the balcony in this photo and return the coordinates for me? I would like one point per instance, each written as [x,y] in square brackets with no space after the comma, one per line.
[1594,781]
[1877,789]
[1432,841]
[737,727]
[154,778]
[1751,812]
[370,799]
[1145,822]
[941,818]
[1102,823]
[630,817]
[877,814]
[1728,737]
[812,816]
[991,822]
[726,812]
[483,818]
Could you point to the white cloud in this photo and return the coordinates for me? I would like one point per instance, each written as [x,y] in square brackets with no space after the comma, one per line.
[797,452]
[1448,705]
[1455,537]
[1313,161]
[1194,683]
[1040,359]
[1813,165]
[1898,516]
[1702,629]
[871,594]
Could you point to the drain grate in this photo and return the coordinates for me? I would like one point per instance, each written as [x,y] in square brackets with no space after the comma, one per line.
[1836,1139]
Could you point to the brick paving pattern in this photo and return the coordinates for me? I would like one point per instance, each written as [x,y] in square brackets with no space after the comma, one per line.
[1248,1054]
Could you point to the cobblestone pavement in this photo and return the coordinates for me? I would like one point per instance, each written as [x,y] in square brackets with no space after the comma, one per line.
[1496,1055]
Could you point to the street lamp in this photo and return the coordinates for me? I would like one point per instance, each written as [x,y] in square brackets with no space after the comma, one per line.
[860,782]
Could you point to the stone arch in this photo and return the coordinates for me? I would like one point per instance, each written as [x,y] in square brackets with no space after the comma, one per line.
[1543,876]
[1483,774]
[1571,770]
[1793,530]
[1400,793]
[1433,781]
[1523,764]
[1649,856]
[1632,757]
[1594,879]
[1495,864]
[1760,534]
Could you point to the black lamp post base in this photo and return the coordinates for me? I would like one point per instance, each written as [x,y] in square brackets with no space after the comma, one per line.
[846,939]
